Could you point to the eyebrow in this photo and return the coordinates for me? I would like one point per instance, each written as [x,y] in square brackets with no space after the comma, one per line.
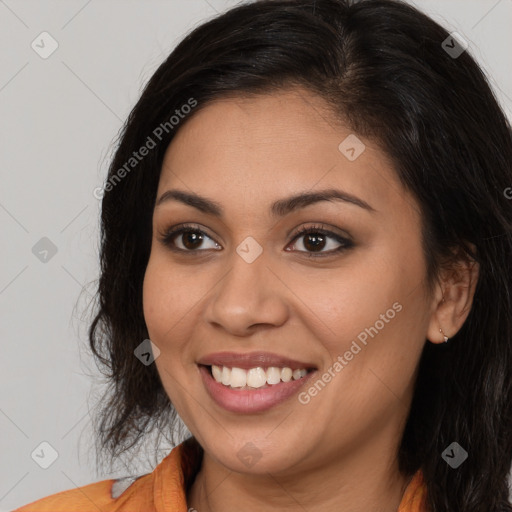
[279,208]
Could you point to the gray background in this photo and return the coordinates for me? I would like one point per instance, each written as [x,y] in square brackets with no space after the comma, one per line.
[58,120]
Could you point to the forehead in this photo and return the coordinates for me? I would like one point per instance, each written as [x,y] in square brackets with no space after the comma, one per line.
[255,150]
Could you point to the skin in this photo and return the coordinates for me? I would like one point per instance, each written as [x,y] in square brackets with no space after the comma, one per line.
[337,452]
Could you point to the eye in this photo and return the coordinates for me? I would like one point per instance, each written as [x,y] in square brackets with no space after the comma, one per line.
[191,238]
[316,236]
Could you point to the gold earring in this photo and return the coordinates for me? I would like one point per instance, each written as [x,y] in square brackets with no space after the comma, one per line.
[445,337]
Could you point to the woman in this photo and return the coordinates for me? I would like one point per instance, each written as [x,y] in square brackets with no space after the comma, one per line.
[306,255]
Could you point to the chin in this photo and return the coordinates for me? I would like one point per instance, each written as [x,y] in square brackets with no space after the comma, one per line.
[257,457]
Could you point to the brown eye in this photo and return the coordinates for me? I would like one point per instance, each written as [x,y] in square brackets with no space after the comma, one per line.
[315,239]
[190,238]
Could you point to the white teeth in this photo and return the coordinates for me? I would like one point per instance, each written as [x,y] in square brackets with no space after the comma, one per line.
[286,374]
[273,375]
[238,378]
[217,373]
[297,374]
[226,376]
[255,377]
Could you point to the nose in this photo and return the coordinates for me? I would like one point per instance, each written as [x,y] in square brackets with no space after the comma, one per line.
[248,295]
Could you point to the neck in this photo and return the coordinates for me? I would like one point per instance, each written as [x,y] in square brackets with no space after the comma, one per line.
[357,482]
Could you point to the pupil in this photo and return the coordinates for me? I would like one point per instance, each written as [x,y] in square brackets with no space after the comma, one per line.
[318,243]
[194,237]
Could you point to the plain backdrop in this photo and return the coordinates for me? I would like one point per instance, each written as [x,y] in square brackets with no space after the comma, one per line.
[58,119]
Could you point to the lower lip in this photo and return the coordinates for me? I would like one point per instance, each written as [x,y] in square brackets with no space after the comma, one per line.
[249,401]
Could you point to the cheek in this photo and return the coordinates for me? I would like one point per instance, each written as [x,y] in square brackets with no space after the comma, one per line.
[372,343]
[153,297]
[350,300]
[362,325]
[164,299]
[171,300]
[165,305]
[374,313]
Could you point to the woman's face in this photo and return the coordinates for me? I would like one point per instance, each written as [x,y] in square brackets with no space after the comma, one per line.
[355,318]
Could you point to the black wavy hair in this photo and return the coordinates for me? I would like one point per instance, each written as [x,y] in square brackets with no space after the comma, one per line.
[383,69]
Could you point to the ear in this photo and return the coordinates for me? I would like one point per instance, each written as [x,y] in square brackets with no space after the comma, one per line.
[452,299]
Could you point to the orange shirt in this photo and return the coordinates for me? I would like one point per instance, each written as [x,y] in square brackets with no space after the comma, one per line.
[164,490]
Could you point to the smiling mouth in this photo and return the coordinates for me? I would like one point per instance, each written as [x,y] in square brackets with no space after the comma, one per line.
[255,378]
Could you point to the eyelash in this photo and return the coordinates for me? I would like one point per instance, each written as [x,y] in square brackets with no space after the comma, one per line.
[169,235]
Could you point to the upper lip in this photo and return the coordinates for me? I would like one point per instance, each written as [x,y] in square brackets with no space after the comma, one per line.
[252,360]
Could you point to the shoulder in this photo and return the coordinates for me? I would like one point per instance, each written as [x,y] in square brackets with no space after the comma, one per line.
[163,488]
[107,496]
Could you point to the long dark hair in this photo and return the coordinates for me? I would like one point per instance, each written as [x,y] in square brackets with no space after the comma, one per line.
[382,67]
